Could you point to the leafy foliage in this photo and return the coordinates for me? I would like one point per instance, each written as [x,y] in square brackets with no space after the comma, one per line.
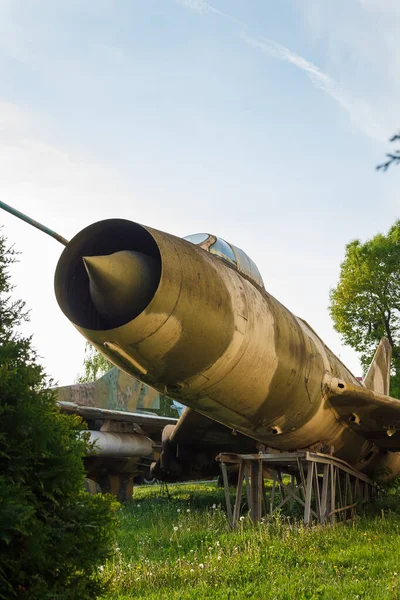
[95,365]
[365,305]
[392,157]
[53,536]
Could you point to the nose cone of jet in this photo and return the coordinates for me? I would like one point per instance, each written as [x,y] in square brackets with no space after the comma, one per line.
[122,284]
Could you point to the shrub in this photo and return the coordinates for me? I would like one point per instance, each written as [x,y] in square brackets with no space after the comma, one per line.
[53,535]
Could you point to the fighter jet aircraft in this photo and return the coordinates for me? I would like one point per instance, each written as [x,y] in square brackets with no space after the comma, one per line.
[192,318]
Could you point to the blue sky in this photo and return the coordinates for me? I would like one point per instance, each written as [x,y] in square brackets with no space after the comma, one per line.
[260,121]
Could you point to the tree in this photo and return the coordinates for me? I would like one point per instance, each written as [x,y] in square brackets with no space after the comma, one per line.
[365,305]
[95,365]
[53,535]
[392,157]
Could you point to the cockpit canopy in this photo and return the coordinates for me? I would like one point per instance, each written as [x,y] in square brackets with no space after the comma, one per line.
[227,252]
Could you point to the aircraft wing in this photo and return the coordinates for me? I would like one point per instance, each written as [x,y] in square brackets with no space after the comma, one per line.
[92,412]
[146,423]
[371,414]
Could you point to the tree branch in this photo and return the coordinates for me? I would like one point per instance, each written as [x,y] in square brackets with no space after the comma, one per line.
[393,157]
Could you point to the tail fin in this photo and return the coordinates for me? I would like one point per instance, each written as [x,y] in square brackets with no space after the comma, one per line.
[378,377]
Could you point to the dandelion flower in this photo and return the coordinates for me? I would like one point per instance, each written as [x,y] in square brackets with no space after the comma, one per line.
[175,528]
[241,518]
[188,510]
[214,506]
[201,566]
[178,510]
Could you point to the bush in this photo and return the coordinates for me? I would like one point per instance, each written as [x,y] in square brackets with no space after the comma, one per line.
[53,535]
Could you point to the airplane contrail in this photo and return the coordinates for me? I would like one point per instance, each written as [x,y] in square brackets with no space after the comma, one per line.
[359,111]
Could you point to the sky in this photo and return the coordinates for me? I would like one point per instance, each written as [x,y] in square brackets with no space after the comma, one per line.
[259,121]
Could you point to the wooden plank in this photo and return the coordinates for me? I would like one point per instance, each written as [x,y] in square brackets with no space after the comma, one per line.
[316,492]
[342,486]
[292,487]
[326,459]
[302,478]
[271,506]
[343,508]
[366,497]
[283,502]
[238,499]
[339,487]
[264,495]
[346,488]
[332,470]
[260,485]
[324,497]
[293,457]
[299,500]
[255,496]
[307,508]
[290,494]
[349,493]
[227,496]
[357,489]
[247,480]
[279,457]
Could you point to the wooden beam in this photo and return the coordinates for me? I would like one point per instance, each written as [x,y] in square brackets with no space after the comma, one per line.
[307,508]
[332,470]
[324,497]
[238,499]
[255,495]
[227,496]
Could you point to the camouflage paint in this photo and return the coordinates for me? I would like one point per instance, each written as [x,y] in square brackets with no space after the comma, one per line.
[116,390]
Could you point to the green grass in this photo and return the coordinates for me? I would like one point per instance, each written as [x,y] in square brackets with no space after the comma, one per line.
[181,547]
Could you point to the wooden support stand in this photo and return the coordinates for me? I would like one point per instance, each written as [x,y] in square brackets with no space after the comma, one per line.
[326,487]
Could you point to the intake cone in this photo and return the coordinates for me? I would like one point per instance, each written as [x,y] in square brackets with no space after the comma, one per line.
[122,284]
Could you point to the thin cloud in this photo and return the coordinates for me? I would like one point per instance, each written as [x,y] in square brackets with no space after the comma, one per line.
[361,114]
[198,6]
[359,111]
[201,7]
